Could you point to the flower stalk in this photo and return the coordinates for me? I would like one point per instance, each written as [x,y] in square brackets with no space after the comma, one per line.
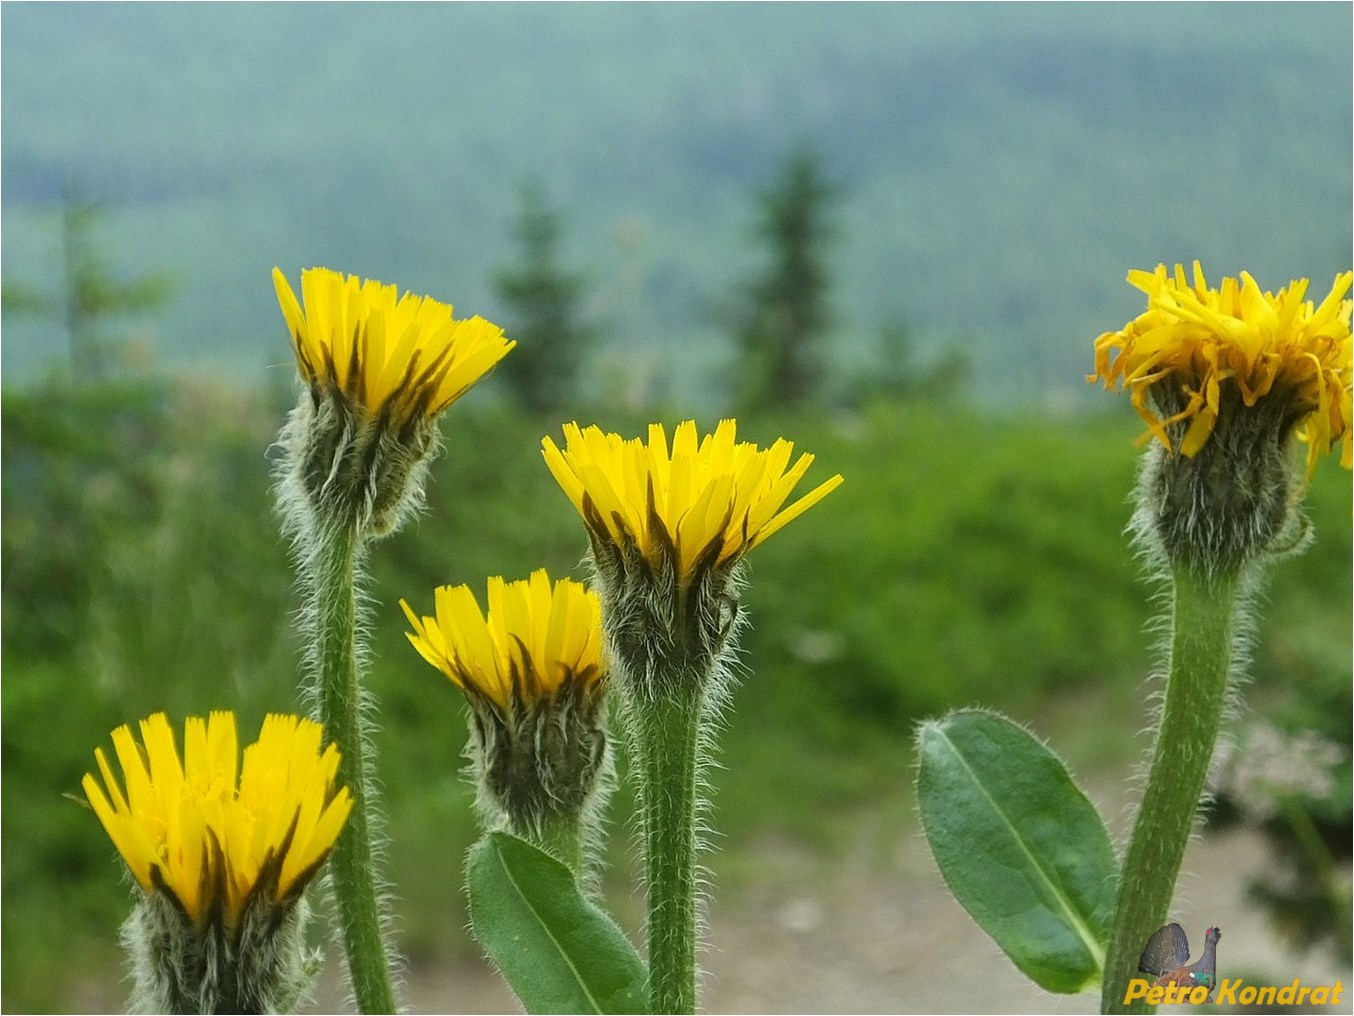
[669,526]
[378,367]
[574,841]
[670,757]
[339,701]
[1227,380]
[1203,645]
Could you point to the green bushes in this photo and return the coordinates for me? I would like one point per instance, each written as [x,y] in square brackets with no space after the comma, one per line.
[965,559]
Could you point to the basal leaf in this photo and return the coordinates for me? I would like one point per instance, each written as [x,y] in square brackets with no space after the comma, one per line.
[558,951]
[1019,845]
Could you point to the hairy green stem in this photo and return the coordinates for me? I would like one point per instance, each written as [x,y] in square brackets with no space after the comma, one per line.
[1203,619]
[667,742]
[339,700]
[562,839]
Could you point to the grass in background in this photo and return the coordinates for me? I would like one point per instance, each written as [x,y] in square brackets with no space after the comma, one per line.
[965,560]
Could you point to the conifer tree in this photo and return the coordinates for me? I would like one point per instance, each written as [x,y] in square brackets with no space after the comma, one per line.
[90,294]
[543,310]
[786,309]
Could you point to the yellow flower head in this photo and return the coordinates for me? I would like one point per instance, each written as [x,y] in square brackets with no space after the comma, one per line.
[404,355]
[535,639]
[702,504]
[209,832]
[1192,340]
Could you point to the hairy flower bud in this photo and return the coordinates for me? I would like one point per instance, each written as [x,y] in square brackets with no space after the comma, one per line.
[1233,501]
[222,853]
[378,369]
[262,965]
[668,530]
[533,676]
[1225,380]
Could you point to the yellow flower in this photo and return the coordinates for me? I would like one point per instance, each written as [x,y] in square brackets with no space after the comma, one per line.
[1193,339]
[704,503]
[400,354]
[535,639]
[192,830]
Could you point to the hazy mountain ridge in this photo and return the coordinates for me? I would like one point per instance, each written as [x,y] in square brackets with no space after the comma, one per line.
[1002,167]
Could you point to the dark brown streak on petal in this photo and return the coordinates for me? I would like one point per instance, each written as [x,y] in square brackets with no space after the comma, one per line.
[212,886]
[157,880]
[267,886]
[331,793]
[597,528]
[659,531]
[709,555]
[412,395]
[629,547]
[331,376]
[479,697]
[393,404]
[357,380]
[303,359]
[426,385]
[531,679]
[589,681]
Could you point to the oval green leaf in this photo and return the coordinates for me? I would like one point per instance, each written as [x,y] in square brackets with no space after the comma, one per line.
[1019,845]
[559,952]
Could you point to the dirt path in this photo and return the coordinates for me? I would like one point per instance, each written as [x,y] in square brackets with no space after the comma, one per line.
[876,932]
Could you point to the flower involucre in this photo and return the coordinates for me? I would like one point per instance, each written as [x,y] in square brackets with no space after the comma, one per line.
[210,832]
[1191,340]
[704,503]
[536,639]
[404,355]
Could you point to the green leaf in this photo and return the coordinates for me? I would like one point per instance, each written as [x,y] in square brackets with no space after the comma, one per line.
[1019,845]
[559,952]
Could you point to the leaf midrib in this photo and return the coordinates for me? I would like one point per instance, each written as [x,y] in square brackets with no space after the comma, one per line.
[578,978]
[1088,939]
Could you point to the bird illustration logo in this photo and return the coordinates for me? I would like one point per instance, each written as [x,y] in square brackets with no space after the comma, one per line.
[1166,957]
